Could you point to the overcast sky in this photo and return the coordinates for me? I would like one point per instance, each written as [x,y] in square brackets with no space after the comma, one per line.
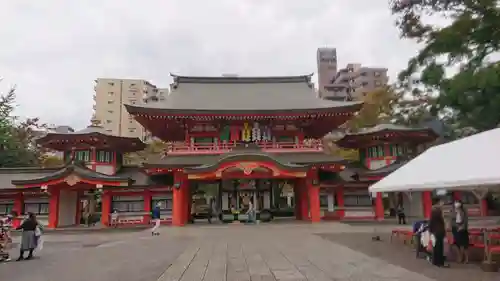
[54,49]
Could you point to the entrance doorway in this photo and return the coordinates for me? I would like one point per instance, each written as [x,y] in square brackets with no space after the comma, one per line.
[271,198]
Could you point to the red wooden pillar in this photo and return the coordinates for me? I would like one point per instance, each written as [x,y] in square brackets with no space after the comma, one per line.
[379,207]
[147,206]
[483,207]
[78,215]
[427,204]
[179,208]
[313,191]
[19,209]
[457,195]
[304,200]
[105,208]
[339,196]
[54,207]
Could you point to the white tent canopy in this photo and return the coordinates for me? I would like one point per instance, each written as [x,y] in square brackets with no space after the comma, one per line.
[468,163]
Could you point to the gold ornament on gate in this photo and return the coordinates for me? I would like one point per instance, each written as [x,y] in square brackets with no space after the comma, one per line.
[72,180]
[246,199]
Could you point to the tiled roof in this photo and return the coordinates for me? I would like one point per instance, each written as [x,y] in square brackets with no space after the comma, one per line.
[71,168]
[243,95]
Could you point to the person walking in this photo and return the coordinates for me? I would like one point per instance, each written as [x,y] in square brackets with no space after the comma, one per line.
[401,214]
[28,237]
[460,230]
[251,212]
[438,230]
[155,218]
[210,211]
[193,212]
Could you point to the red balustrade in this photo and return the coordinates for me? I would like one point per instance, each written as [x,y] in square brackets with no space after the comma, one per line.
[227,146]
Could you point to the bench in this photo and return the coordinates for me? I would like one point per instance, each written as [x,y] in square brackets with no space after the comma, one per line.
[403,234]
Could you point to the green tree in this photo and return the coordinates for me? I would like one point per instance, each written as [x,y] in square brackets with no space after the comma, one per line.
[153,148]
[377,108]
[17,147]
[51,161]
[456,64]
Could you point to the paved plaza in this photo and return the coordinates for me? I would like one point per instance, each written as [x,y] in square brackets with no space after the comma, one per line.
[290,251]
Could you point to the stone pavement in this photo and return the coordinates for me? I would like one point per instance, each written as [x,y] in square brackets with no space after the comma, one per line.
[222,252]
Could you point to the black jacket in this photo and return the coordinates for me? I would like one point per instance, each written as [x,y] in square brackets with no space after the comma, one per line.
[28,225]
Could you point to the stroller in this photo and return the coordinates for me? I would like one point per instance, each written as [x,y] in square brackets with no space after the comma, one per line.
[5,242]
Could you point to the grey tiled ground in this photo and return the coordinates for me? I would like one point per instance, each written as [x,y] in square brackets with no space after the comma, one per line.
[260,252]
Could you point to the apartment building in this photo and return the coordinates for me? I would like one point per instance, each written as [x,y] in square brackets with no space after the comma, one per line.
[110,97]
[349,83]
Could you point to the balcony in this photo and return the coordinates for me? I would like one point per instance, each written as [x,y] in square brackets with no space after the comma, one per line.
[225,147]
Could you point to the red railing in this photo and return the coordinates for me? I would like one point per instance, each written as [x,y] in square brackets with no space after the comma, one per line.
[224,147]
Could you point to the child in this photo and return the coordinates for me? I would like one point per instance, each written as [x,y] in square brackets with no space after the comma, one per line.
[5,241]
[420,229]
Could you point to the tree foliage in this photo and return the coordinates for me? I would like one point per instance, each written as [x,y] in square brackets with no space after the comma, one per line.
[378,108]
[17,147]
[51,161]
[153,148]
[457,60]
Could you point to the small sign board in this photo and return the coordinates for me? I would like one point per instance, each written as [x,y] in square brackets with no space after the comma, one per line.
[441,192]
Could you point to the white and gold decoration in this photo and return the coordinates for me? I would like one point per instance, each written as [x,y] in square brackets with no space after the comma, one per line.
[256,134]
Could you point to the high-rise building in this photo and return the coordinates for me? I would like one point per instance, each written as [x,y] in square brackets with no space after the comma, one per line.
[110,97]
[349,83]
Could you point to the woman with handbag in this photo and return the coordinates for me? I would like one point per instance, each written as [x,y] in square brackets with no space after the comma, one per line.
[28,237]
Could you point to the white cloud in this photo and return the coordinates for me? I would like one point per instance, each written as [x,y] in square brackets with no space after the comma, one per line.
[54,49]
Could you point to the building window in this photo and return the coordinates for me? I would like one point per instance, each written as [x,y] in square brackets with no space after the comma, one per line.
[357,200]
[110,111]
[109,131]
[37,208]
[166,204]
[127,204]
[133,101]
[377,83]
[397,150]
[131,130]
[108,121]
[82,155]
[111,93]
[104,156]
[132,85]
[110,102]
[376,74]
[111,83]
[67,156]
[6,208]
